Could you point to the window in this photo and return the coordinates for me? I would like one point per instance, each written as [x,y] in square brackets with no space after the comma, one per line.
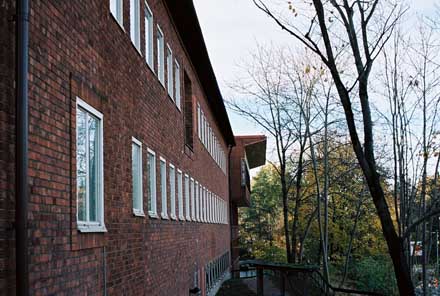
[136,164]
[116,8]
[177,82]
[188,112]
[89,168]
[163,187]
[160,56]
[180,194]
[149,36]
[208,208]
[188,217]
[135,24]
[204,204]
[172,175]
[193,204]
[197,201]
[170,76]
[151,163]
[198,120]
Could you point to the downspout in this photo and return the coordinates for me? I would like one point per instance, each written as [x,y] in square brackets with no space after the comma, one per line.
[230,208]
[21,148]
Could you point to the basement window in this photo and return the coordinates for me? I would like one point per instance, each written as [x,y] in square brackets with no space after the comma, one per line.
[89,168]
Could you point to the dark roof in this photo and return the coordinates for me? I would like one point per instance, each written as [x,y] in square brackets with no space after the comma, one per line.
[185,18]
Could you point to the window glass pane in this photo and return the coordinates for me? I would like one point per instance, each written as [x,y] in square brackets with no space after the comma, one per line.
[170,72]
[187,208]
[160,56]
[134,22]
[193,213]
[81,164]
[177,81]
[151,183]
[173,191]
[179,194]
[149,37]
[136,175]
[93,167]
[163,189]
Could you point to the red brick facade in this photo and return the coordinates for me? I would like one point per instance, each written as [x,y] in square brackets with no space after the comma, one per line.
[77,49]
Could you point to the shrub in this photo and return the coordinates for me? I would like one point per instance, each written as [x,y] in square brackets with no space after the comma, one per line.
[376,274]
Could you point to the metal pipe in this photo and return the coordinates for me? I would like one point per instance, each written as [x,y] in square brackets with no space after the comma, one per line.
[21,148]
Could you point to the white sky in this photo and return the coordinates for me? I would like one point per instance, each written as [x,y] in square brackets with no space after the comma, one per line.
[232,28]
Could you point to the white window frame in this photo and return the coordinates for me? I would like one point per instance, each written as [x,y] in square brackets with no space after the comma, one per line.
[117,11]
[180,194]
[99,225]
[172,180]
[210,207]
[163,188]
[170,77]
[135,24]
[149,36]
[138,211]
[152,191]
[187,206]
[160,56]
[178,86]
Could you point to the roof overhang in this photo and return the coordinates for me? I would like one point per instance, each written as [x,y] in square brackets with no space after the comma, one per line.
[255,147]
[187,24]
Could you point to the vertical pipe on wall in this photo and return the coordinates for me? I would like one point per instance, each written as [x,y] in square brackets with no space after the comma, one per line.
[229,205]
[21,147]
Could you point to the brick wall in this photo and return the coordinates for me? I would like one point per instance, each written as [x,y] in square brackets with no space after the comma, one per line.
[77,49]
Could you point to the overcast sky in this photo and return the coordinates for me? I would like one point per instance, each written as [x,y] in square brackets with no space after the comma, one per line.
[232,28]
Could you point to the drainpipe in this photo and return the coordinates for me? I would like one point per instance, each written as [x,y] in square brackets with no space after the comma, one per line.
[21,147]
[230,197]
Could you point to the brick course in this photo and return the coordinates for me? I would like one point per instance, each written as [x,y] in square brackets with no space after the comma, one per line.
[77,49]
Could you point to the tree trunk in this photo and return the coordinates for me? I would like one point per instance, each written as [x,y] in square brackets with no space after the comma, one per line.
[285,213]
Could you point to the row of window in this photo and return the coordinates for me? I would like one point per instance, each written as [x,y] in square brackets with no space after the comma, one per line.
[173,68]
[215,270]
[209,139]
[194,201]
[173,84]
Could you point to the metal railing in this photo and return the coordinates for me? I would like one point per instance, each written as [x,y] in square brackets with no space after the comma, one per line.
[303,280]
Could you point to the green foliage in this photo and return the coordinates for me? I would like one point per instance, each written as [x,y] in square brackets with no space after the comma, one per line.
[376,274]
[260,231]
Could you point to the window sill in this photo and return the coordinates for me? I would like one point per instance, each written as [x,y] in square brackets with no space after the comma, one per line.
[138,213]
[181,218]
[173,217]
[188,219]
[164,216]
[89,228]
[153,215]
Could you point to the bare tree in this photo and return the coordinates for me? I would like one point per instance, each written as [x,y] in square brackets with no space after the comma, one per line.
[363,27]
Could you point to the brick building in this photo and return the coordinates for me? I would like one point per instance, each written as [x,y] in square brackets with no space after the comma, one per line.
[128,151]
